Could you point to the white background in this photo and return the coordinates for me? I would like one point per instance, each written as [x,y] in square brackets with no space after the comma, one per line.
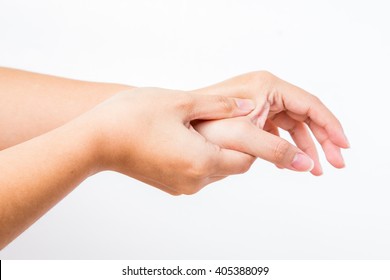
[338,50]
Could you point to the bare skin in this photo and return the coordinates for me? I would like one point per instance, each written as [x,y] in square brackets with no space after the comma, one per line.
[32,104]
[56,132]
[278,105]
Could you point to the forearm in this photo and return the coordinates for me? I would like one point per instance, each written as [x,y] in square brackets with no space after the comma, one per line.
[32,104]
[38,173]
[130,133]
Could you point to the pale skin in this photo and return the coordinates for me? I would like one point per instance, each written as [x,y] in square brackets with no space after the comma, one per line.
[57,132]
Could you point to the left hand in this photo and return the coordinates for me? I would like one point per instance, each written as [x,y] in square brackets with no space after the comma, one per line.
[278,105]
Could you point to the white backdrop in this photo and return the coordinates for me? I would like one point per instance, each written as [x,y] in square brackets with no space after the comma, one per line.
[338,50]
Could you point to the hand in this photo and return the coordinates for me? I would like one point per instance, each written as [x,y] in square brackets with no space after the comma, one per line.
[146,133]
[278,105]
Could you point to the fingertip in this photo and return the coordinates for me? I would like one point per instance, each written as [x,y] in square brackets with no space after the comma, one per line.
[339,165]
[333,155]
[317,170]
[279,166]
[339,138]
[302,162]
[337,162]
[347,143]
[344,143]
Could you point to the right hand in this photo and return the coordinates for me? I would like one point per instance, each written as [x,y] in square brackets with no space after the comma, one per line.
[146,133]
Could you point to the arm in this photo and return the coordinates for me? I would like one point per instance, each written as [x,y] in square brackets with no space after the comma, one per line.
[32,104]
[58,100]
[36,174]
[126,133]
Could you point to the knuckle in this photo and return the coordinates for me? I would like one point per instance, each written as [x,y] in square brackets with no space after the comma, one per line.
[180,187]
[263,76]
[315,99]
[174,192]
[261,80]
[246,165]
[191,189]
[196,175]
[198,169]
[226,103]
[281,151]
[185,103]
[264,73]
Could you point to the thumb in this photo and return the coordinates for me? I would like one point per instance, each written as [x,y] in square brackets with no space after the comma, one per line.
[212,107]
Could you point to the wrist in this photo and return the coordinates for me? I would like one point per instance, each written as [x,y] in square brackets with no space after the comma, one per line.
[101,133]
[102,138]
[87,144]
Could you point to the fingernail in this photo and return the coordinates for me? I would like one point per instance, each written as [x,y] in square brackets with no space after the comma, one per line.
[320,171]
[302,162]
[246,105]
[347,141]
[341,162]
[317,170]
